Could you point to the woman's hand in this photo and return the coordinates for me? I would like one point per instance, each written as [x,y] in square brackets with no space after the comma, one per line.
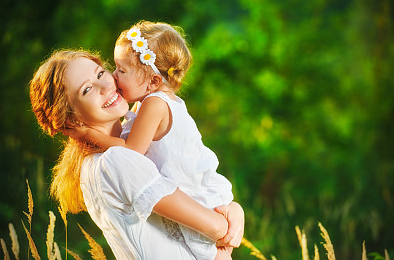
[236,222]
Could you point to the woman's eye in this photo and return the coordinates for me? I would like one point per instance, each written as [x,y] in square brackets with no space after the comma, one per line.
[86,90]
[100,74]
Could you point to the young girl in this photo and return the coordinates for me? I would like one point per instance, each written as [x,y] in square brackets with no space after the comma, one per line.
[151,61]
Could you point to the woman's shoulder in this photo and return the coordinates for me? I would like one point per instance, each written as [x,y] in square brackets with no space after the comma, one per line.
[120,171]
[114,160]
[119,151]
[126,165]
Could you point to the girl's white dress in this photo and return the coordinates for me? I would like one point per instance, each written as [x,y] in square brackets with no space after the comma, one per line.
[181,156]
[120,188]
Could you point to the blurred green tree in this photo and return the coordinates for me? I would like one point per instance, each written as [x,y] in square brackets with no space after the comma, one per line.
[293,97]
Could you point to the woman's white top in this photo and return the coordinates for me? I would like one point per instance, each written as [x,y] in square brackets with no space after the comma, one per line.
[120,188]
[182,157]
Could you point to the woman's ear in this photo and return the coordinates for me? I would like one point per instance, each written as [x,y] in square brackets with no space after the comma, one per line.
[154,82]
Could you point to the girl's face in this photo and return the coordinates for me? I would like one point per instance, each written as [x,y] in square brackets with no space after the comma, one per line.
[92,94]
[131,82]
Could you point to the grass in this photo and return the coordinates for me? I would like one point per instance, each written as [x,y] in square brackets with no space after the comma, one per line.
[328,246]
[97,253]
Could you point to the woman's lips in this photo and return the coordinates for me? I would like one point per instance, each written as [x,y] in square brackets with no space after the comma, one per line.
[113,101]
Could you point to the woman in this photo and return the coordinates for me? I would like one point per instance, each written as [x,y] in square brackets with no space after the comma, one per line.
[118,187]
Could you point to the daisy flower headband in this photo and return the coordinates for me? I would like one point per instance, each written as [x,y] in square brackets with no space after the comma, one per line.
[140,45]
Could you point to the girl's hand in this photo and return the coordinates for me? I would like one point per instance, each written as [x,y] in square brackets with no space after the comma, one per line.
[236,222]
[78,133]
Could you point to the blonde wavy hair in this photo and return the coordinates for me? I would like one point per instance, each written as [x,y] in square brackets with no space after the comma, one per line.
[170,46]
[50,104]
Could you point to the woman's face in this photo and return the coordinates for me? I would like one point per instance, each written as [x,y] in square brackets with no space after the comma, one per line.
[92,93]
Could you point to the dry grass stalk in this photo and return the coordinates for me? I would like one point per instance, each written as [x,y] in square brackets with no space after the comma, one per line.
[76,257]
[317,256]
[96,250]
[328,245]
[32,246]
[14,240]
[386,255]
[63,214]
[30,204]
[58,255]
[6,255]
[50,236]
[255,252]
[364,254]
[303,243]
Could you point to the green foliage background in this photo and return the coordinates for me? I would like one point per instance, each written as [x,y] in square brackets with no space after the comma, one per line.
[294,97]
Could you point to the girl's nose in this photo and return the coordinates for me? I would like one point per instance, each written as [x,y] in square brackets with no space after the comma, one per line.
[115,74]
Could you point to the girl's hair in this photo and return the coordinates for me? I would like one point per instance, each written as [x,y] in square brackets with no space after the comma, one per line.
[170,47]
[50,104]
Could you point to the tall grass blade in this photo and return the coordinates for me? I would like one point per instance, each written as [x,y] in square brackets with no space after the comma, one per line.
[386,255]
[63,214]
[364,254]
[14,240]
[30,203]
[32,246]
[255,252]
[96,250]
[58,255]
[303,243]
[328,245]
[317,256]
[50,236]
[76,257]
[30,206]
[4,247]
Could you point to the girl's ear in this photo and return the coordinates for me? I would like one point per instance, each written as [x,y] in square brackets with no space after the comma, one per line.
[154,82]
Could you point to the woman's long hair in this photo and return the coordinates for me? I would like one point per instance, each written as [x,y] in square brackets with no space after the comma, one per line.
[51,106]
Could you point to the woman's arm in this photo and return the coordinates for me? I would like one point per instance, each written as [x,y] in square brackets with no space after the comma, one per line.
[182,209]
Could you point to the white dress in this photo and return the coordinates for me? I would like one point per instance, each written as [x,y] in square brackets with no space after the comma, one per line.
[181,156]
[120,188]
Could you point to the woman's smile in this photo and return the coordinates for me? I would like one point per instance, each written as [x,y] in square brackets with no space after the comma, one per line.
[115,99]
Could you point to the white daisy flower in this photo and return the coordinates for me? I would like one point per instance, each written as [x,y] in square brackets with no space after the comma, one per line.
[148,57]
[133,34]
[140,44]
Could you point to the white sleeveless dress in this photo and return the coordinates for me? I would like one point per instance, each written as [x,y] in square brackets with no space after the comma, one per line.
[181,156]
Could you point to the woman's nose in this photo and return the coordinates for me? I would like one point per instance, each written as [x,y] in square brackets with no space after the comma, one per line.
[105,86]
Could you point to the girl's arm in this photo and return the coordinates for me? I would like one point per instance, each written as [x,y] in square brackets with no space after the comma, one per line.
[85,133]
[152,112]
[151,123]
[184,210]
[236,223]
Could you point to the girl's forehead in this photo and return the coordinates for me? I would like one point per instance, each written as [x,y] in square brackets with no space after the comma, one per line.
[120,51]
[122,56]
